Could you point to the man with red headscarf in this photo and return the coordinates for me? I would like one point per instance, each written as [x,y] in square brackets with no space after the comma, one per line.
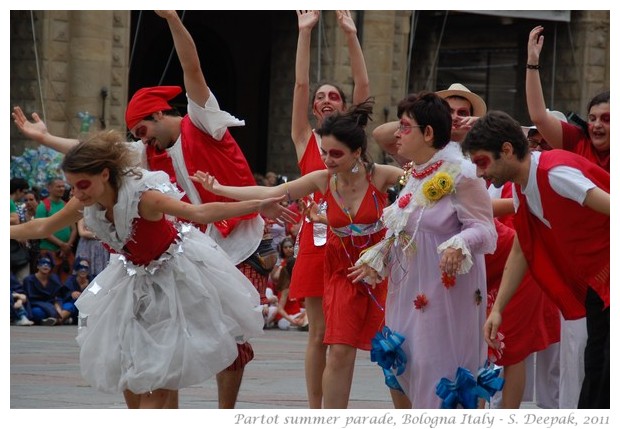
[180,145]
[200,140]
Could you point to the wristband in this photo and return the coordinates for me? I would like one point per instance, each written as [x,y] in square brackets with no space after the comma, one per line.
[532,66]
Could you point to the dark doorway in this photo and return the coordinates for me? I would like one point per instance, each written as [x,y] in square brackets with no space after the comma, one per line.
[235,53]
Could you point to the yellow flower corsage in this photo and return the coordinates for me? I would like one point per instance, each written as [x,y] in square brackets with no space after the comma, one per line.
[444,182]
[440,185]
[431,191]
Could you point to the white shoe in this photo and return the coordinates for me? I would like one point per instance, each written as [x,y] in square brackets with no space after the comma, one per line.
[24,321]
[49,321]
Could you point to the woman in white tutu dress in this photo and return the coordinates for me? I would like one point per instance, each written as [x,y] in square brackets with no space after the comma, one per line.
[168,311]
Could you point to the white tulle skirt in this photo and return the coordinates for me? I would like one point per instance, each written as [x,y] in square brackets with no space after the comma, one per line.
[172,324]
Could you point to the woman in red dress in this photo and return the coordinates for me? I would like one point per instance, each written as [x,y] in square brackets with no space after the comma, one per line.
[328,98]
[355,191]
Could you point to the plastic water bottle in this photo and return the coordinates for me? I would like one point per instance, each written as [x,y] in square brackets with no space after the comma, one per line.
[319,230]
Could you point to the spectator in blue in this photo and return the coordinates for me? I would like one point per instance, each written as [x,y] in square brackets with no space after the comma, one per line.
[45,292]
[20,307]
[75,285]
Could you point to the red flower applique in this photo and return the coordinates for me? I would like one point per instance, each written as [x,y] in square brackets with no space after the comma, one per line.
[420,302]
[448,280]
[404,200]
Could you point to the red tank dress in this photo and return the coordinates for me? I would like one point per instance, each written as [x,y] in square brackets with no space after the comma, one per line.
[354,313]
[307,278]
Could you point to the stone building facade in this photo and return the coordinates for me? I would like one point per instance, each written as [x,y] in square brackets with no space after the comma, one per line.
[92,61]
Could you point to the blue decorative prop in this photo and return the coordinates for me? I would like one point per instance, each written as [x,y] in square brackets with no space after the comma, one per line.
[465,390]
[86,120]
[37,166]
[460,391]
[388,354]
[489,381]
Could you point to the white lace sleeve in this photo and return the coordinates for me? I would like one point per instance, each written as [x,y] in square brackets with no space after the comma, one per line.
[478,234]
[375,257]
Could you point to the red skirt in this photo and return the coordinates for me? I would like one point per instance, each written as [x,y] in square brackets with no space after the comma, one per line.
[307,278]
[530,321]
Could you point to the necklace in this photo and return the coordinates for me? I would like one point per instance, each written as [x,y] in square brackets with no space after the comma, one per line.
[352,226]
[427,171]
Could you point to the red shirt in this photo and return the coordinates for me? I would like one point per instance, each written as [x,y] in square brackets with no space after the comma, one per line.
[220,158]
[574,253]
[574,140]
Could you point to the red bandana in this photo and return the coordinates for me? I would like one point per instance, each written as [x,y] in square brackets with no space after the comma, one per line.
[149,100]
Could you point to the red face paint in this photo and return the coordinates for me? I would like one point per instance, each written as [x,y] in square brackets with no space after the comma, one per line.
[460,112]
[334,96]
[604,118]
[140,132]
[333,153]
[83,184]
[481,161]
[405,128]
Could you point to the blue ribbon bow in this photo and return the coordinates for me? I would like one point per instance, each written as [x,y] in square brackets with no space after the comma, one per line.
[489,382]
[466,390]
[460,391]
[388,354]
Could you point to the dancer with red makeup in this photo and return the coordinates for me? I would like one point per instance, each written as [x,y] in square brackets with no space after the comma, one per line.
[179,146]
[355,191]
[169,311]
[326,100]
[553,191]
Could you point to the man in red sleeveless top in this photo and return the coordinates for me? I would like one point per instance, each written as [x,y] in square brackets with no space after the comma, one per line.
[562,223]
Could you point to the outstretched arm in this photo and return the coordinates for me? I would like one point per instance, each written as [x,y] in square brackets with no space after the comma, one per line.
[361,83]
[193,78]
[44,227]
[515,268]
[37,130]
[598,200]
[502,207]
[315,181]
[154,203]
[548,125]
[300,124]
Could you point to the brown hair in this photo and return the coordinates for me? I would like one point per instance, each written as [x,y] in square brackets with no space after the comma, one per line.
[105,149]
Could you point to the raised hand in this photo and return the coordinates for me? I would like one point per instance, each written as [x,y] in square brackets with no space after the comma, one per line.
[535,44]
[466,122]
[35,129]
[345,21]
[307,18]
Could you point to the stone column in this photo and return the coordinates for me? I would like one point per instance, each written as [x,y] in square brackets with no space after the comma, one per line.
[89,65]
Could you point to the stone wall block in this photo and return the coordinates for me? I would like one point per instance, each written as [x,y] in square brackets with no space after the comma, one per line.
[55,92]
[90,49]
[59,31]
[597,56]
[595,74]
[57,70]
[118,76]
